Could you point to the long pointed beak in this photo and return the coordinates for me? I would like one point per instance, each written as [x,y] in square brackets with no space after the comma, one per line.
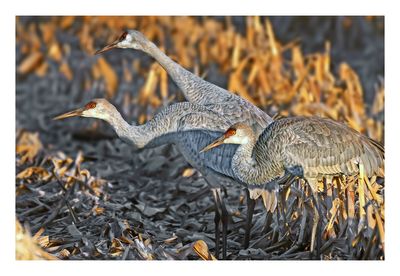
[107,47]
[214,144]
[73,113]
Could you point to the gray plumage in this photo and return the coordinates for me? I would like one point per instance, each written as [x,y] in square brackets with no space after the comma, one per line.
[189,126]
[194,88]
[309,147]
[201,92]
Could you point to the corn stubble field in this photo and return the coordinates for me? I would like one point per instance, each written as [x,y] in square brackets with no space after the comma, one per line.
[81,193]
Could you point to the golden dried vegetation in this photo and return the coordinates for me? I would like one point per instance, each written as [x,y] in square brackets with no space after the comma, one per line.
[277,77]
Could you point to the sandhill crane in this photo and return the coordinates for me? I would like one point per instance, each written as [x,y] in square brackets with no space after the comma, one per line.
[194,88]
[306,147]
[190,127]
[215,98]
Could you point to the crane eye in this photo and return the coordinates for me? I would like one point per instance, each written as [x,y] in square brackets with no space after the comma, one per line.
[123,36]
[230,132]
[90,105]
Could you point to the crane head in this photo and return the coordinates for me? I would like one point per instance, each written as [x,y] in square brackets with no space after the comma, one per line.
[237,134]
[97,108]
[129,39]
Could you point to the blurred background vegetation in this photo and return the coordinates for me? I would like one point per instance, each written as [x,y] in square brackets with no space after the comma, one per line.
[326,66]
[332,66]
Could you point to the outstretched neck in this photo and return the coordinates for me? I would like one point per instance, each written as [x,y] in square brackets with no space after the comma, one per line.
[188,82]
[135,135]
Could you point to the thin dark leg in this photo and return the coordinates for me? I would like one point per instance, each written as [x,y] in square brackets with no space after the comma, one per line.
[217,220]
[251,203]
[268,220]
[300,239]
[224,220]
[319,237]
[316,230]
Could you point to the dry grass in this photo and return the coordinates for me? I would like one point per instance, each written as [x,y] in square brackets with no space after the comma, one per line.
[28,247]
[278,78]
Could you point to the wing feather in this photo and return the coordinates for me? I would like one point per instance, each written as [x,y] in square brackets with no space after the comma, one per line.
[322,146]
[197,130]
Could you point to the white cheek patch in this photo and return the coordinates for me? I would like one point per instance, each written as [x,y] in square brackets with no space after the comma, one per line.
[123,44]
[128,38]
[245,140]
[103,116]
[237,140]
[93,113]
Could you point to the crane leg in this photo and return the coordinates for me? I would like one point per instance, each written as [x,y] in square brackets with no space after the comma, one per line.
[221,216]
[217,220]
[316,229]
[268,220]
[224,220]
[250,211]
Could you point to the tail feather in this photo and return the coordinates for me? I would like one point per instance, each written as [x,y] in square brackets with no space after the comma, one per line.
[379,146]
[372,156]
[379,151]
[269,197]
[270,200]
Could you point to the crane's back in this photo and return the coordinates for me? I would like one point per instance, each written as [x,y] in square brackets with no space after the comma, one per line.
[319,146]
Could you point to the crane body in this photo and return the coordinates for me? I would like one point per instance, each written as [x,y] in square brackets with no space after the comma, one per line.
[199,91]
[188,126]
[194,88]
[307,147]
